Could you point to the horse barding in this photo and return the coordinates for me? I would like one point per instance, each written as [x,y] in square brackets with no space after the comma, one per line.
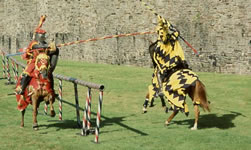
[40,88]
[177,79]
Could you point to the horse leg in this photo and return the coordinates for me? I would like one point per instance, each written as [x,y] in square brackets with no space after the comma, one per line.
[175,112]
[151,102]
[163,103]
[193,93]
[197,114]
[146,103]
[51,100]
[53,114]
[35,124]
[34,114]
[22,120]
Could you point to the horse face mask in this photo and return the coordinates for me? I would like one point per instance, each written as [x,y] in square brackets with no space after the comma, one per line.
[42,64]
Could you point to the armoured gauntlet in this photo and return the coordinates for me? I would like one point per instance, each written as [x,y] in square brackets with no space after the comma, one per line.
[52,46]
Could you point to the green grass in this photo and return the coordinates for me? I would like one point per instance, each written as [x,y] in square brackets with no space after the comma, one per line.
[123,125]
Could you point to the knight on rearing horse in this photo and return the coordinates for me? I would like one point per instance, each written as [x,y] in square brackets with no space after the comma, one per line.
[177,79]
[36,82]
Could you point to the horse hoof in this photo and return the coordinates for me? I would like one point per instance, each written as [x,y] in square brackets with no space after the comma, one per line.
[35,127]
[193,128]
[144,110]
[53,114]
[167,123]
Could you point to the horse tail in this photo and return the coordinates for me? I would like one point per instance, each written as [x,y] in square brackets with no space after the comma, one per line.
[202,95]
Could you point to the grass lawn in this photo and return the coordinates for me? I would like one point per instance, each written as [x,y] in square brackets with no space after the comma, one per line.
[123,126]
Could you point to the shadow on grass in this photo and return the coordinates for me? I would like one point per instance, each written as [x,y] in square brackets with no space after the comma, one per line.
[118,121]
[71,124]
[64,124]
[213,121]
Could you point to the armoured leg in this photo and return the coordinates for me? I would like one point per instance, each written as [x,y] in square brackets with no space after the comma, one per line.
[24,82]
[52,82]
[160,93]
[163,103]
[52,85]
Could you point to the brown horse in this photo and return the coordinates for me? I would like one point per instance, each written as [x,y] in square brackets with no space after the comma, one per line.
[196,92]
[39,89]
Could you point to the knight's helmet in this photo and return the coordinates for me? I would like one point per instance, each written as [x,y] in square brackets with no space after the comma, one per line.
[39,34]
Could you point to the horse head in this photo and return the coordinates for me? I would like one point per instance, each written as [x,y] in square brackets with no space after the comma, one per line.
[42,65]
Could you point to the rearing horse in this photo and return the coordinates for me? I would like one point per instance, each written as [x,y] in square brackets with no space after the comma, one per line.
[197,91]
[177,80]
[39,89]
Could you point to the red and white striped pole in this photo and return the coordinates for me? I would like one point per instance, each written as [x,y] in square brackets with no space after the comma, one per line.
[3,62]
[17,70]
[60,99]
[14,70]
[8,71]
[87,114]
[84,125]
[98,120]
[89,109]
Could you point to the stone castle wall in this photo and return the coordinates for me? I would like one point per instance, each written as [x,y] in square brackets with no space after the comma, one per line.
[219,29]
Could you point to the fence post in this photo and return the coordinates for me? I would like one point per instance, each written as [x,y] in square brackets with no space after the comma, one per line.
[8,71]
[87,114]
[98,120]
[77,104]
[89,109]
[14,70]
[17,70]
[60,99]
[3,62]
[84,126]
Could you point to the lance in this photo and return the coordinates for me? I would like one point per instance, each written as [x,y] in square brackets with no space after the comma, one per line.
[170,25]
[88,40]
